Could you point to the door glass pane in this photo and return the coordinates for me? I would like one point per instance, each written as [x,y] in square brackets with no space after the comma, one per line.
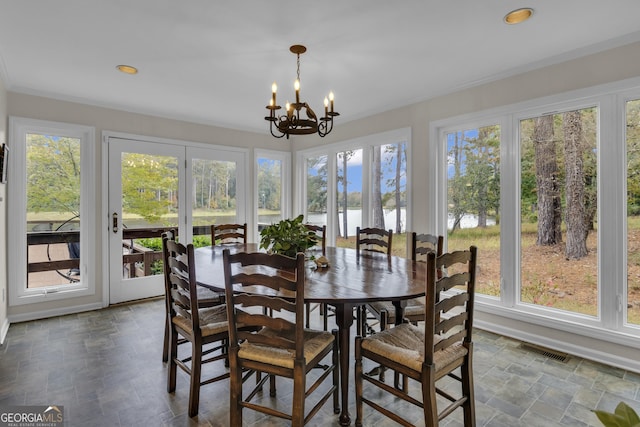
[317,190]
[214,197]
[269,191]
[53,210]
[633,212]
[349,186]
[149,200]
[473,200]
[559,211]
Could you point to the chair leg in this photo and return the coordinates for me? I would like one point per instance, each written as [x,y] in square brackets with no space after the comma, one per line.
[336,373]
[469,406]
[173,353]
[358,379]
[272,385]
[299,391]
[194,386]
[235,390]
[325,317]
[307,307]
[384,315]
[165,343]
[429,396]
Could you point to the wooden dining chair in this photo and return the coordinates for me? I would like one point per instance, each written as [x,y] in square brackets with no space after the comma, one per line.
[189,322]
[430,354]
[321,232]
[371,240]
[384,312]
[282,347]
[206,298]
[228,233]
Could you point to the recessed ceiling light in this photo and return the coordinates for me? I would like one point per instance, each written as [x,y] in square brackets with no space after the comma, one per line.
[519,15]
[127,69]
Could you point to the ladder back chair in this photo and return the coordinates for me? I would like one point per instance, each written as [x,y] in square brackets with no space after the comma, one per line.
[206,298]
[428,355]
[187,321]
[371,240]
[281,347]
[228,233]
[321,232]
[384,311]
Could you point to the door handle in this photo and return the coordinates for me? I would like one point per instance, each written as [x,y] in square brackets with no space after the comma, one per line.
[115,222]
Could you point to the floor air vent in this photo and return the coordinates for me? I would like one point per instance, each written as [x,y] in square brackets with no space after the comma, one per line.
[551,354]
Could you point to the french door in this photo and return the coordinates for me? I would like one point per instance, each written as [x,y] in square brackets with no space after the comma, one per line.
[160,185]
[145,179]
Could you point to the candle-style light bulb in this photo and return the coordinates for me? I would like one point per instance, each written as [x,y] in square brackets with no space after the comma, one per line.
[296,86]
[331,100]
[326,106]
[274,89]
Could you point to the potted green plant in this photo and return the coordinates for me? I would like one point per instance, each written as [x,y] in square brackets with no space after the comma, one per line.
[623,416]
[288,237]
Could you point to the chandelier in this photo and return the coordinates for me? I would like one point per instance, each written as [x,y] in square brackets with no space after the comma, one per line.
[291,123]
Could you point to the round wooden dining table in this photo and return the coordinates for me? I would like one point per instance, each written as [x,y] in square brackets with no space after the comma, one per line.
[349,281]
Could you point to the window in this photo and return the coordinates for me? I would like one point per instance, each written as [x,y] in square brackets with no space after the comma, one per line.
[559,237]
[473,199]
[358,183]
[51,190]
[564,193]
[632,119]
[316,195]
[272,187]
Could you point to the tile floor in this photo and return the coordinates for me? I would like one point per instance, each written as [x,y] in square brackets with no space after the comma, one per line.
[105,368]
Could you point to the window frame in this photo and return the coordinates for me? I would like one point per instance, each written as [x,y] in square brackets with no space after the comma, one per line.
[609,99]
[19,294]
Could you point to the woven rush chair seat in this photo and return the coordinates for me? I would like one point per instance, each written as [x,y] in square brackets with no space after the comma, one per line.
[405,346]
[413,312]
[314,343]
[213,320]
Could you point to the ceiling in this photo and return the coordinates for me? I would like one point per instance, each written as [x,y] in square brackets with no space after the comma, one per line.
[214,61]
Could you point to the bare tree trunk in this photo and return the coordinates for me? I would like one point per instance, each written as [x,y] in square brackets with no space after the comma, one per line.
[376,190]
[575,215]
[549,207]
[399,154]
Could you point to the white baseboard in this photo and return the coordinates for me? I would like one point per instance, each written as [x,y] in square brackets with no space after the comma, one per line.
[565,345]
[54,312]
[3,330]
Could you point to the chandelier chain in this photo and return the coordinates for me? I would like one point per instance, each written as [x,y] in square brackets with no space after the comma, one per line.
[298,61]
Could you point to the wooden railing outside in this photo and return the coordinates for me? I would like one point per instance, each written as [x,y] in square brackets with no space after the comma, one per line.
[137,253]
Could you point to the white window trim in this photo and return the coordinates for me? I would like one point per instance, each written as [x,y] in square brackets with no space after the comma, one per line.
[17,258]
[609,325]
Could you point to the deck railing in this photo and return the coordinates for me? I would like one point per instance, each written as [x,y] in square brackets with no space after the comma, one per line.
[134,253]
